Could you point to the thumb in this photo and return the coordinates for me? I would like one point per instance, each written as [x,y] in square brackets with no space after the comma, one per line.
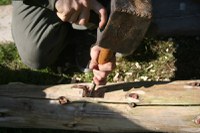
[94,57]
[101,11]
[62,17]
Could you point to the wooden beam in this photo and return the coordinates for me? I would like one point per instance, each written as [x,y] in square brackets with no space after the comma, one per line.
[158,106]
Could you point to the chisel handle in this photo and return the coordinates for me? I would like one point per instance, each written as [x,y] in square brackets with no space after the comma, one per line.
[105,56]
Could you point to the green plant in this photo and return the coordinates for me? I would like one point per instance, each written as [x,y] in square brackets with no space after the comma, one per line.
[5,2]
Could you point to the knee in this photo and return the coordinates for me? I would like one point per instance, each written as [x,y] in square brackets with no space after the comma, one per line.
[37,48]
[38,51]
[38,54]
[34,57]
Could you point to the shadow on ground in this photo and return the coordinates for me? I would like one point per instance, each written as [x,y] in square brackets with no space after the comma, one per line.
[30,77]
[187,58]
[144,53]
[186,54]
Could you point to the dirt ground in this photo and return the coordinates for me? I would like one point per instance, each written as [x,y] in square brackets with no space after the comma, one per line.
[5,24]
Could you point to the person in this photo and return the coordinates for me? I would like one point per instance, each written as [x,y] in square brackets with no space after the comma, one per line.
[44,35]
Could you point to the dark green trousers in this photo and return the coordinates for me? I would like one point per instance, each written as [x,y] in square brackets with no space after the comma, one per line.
[40,36]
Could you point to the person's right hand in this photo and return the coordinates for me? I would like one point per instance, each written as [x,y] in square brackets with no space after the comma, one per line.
[78,11]
[100,71]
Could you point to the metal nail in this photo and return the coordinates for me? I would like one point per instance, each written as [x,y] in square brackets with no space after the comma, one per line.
[194,84]
[197,120]
[134,95]
[63,100]
[132,105]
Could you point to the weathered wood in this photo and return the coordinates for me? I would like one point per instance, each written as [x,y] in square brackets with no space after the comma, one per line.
[161,106]
[175,17]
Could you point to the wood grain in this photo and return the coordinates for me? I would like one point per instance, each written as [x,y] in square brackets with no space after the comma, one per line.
[161,107]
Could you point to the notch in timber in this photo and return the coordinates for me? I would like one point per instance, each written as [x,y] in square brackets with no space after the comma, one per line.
[194,84]
[63,100]
[86,91]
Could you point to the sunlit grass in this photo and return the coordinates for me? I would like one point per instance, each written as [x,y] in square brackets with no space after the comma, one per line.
[5,2]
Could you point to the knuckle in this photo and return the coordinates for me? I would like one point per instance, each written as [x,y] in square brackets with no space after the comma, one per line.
[63,18]
[100,78]
[82,22]
[111,67]
[85,3]
[103,11]
[66,12]
[103,75]
[77,7]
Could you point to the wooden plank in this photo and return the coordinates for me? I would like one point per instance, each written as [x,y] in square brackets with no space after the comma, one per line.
[161,106]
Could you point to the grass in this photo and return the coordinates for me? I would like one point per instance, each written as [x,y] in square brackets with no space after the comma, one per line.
[5,2]
[155,60]
[13,70]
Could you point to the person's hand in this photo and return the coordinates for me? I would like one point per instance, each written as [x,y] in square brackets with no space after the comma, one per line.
[100,71]
[78,11]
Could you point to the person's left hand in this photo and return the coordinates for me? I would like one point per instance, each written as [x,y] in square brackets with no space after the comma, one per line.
[100,71]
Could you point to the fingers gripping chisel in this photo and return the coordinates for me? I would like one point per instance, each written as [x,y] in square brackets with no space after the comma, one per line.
[105,56]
